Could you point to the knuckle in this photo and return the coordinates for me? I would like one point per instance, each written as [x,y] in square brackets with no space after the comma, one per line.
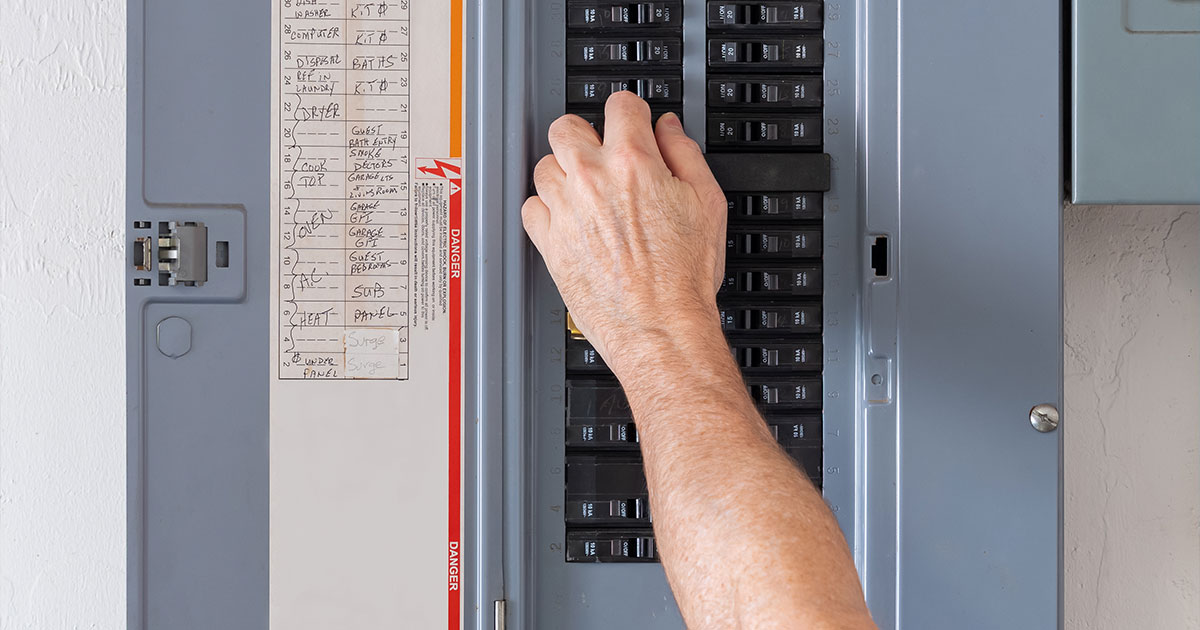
[543,171]
[686,143]
[533,215]
[543,164]
[716,200]
[590,180]
[628,155]
[566,126]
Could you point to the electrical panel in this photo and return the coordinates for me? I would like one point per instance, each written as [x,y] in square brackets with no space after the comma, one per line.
[1135,91]
[357,399]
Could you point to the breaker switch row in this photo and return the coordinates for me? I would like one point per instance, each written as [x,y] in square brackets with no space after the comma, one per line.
[789,131]
[780,281]
[623,511]
[805,356]
[590,433]
[623,52]
[764,13]
[591,401]
[623,14]
[785,394]
[593,435]
[799,91]
[771,318]
[592,90]
[789,355]
[774,243]
[793,206]
[611,546]
[801,52]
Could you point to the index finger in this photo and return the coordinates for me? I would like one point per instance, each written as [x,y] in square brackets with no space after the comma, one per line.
[627,122]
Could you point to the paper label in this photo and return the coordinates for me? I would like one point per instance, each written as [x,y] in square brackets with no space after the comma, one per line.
[366,314]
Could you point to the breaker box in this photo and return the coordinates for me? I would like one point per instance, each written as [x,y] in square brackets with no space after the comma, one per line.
[356,399]
[1135,102]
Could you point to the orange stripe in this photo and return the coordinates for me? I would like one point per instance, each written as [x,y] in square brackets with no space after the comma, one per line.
[456,78]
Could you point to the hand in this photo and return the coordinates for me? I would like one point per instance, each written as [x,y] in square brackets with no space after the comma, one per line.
[632,228]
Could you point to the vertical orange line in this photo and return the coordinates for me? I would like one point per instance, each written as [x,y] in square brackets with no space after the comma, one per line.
[456,78]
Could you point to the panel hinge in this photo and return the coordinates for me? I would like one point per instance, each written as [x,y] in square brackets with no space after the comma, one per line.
[501,613]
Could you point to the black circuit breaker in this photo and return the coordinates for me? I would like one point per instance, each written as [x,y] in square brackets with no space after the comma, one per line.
[763,101]
[623,46]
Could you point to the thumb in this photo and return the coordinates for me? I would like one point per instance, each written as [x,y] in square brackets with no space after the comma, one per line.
[535,216]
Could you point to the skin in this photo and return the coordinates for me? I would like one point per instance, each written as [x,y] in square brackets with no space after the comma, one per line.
[632,229]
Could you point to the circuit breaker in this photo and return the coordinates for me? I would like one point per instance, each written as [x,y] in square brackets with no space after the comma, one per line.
[358,401]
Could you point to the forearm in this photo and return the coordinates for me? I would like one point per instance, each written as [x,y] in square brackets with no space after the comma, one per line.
[746,539]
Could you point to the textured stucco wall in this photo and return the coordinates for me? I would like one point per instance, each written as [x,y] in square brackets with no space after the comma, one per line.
[1131,431]
[62,366]
[1132,418]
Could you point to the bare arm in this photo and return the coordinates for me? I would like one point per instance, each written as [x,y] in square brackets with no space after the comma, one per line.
[633,232]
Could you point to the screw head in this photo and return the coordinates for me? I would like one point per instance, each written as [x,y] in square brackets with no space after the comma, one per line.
[1044,417]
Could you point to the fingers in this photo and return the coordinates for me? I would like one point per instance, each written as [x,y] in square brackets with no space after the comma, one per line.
[627,124]
[572,139]
[535,216]
[549,178]
[684,158]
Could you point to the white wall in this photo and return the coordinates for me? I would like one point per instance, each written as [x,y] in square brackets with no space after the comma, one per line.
[1131,431]
[1131,421]
[62,366]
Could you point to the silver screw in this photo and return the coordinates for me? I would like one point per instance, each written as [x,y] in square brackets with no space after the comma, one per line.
[1044,417]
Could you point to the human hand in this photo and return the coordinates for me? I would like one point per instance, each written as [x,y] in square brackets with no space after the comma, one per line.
[632,228]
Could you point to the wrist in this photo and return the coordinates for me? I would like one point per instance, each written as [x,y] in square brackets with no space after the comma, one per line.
[672,356]
[638,345]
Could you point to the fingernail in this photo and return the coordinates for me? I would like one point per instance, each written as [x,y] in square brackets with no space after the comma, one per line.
[671,120]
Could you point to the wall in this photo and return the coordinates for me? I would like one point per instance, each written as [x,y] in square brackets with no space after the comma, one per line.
[1130,419]
[62,367]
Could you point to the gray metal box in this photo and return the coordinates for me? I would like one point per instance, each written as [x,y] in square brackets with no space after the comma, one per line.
[1135,102]
[950,500]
